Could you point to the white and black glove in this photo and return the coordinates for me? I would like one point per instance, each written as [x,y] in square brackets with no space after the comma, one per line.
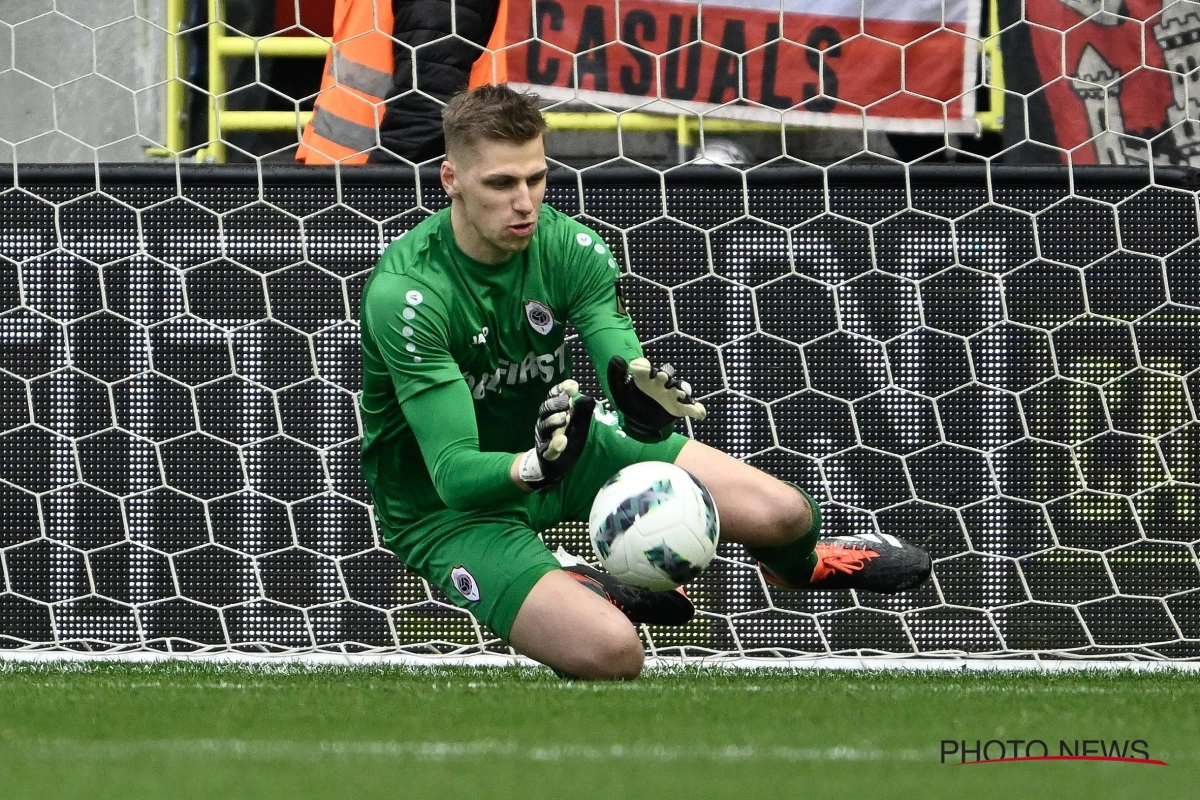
[650,399]
[560,435]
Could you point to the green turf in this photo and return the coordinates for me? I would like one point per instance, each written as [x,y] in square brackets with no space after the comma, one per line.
[206,731]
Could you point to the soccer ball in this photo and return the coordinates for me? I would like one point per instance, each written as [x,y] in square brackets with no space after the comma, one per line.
[653,525]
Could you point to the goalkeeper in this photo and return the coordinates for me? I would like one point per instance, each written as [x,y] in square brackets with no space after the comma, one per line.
[475,437]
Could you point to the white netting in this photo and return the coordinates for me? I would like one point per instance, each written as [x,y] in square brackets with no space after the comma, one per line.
[998,362]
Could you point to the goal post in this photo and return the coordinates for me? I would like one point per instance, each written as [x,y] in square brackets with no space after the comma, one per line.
[918,347]
[999,363]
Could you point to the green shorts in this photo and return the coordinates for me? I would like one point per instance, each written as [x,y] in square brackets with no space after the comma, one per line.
[487,561]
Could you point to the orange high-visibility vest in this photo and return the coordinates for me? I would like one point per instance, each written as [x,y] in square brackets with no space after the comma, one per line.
[358,74]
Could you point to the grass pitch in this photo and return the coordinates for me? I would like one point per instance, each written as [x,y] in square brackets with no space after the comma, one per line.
[192,730]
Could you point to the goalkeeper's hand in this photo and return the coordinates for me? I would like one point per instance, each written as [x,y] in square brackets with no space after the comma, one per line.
[650,399]
[559,436]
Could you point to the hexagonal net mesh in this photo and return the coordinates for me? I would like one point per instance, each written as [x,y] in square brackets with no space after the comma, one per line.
[999,363]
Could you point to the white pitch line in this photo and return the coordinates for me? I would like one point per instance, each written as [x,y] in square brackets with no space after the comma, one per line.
[957,689]
[866,664]
[287,750]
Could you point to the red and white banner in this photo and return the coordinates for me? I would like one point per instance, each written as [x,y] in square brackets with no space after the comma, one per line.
[1110,81]
[896,65]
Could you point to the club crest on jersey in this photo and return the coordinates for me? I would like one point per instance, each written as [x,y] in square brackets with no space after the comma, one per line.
[539,317]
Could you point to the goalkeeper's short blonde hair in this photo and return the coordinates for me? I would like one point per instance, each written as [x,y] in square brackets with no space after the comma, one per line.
[493,112]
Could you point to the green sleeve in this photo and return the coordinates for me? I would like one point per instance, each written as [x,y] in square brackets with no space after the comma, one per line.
[605,343]
[602,321]
[598,313]
[406,322]
[443,421]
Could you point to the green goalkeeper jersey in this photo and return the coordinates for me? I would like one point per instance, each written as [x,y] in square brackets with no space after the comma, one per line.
[458,355]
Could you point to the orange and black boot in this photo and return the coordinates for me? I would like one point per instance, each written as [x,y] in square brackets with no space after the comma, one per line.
[875,563]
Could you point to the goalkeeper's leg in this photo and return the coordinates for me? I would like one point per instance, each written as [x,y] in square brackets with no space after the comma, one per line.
[573,630]
[779,525]
[498,569]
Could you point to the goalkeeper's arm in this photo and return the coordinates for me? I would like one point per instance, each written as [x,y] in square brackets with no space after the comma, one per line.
[650,398]
[443,421]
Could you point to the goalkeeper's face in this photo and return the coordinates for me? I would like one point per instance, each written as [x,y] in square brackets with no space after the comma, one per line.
[497,189]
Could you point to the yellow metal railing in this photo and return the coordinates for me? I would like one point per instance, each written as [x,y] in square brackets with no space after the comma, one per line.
[176,91]
[993,77]
[222,45]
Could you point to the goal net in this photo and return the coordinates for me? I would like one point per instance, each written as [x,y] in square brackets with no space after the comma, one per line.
[998,362]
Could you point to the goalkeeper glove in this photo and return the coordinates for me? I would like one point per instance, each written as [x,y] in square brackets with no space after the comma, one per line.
[559,436]
[650,399]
